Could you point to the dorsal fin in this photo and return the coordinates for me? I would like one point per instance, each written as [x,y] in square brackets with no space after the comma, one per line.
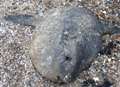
[22,19]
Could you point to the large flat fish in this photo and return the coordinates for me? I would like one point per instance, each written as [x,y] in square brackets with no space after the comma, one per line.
[65,42]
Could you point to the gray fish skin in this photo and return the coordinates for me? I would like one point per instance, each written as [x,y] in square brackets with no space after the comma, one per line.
[66,42]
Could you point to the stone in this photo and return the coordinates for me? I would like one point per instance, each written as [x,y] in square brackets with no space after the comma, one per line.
[65,43]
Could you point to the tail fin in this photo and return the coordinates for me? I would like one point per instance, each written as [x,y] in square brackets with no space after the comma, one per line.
[20,19]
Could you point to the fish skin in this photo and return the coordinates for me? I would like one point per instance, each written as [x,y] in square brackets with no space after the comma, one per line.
[65,43]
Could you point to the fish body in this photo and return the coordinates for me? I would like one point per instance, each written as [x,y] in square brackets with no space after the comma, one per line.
[65,43]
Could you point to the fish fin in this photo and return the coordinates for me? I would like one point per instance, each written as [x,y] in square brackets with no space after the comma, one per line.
[22,19]
[111,29]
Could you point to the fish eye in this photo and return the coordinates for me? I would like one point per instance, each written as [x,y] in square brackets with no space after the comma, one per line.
[68,58]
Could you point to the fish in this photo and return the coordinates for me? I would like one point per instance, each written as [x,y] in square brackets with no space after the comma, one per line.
[65,42]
